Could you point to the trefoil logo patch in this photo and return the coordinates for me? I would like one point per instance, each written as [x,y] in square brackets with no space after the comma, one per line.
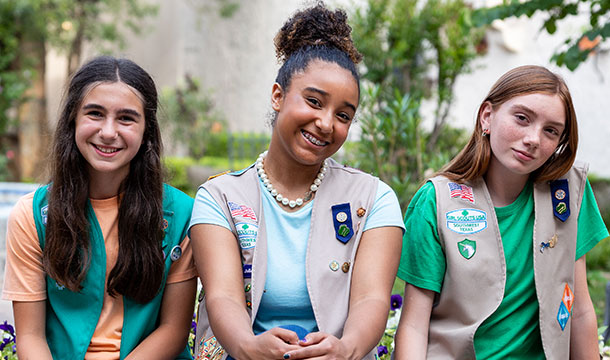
[467,248]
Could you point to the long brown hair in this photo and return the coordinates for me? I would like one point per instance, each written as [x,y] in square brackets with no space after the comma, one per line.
[472,162]
[138,272]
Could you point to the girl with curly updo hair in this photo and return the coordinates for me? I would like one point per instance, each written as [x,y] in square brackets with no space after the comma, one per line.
[298,253]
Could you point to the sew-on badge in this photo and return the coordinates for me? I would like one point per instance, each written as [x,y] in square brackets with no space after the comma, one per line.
[176,253]
[568,297]
[242,211]
[467,248]
[247,270]
[246,234]
[460,191]
[44,213]
[560,196]
[563,315]
[210,349]
[466,221]
[344,230]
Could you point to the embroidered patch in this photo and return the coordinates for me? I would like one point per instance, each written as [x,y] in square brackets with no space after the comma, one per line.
[568,297]
[210,349]
[467,248]
[246,234]
[247,271]
[44,212]
[466,221]
[460,191]
[560,197]
[241,211]
[342,222]
[563,315]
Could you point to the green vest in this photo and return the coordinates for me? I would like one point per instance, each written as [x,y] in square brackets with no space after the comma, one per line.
[71,317]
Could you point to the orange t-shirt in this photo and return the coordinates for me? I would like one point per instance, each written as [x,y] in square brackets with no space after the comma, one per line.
[24,276]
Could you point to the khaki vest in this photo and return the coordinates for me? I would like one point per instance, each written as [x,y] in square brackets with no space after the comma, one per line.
[328,260]
[478,272]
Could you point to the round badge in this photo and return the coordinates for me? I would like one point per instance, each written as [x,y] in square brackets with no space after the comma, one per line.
[345,267]
[560,194]
[165,224]
[341,217]
[249,304]
[334,265]
[360,212]
[176,253]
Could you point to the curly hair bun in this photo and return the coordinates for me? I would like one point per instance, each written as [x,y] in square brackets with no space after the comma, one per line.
[315,26]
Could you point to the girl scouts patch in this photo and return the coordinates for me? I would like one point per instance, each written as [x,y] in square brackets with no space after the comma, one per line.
[210,349]
[246,234]
[241,211]
[460,191]
[467,248]
[466,221]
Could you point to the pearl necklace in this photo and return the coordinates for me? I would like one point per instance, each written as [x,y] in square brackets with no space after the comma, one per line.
[279,197]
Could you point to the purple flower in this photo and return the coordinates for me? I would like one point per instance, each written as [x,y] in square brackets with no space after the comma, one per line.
[395,302]
[381,350]
[5,342]
[8,328]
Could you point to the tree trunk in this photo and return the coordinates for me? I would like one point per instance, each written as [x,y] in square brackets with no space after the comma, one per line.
[33,133]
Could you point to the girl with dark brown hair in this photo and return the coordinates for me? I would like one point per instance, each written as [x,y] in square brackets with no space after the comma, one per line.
[98,262]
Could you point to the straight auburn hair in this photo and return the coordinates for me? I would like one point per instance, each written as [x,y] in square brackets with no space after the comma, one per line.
[473,161]
[138,272]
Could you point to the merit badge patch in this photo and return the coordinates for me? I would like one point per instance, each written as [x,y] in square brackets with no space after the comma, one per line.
[466,221]
[568,297]
[247,271]
[560,196]
[460,191]
[246,234]
[563,315]
[241,211]
[342,221]
[44,212]
[467,248]
[210,349]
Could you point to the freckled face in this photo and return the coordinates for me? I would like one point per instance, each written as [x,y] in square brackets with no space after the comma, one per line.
[314,115]
[110,128]
[524,132]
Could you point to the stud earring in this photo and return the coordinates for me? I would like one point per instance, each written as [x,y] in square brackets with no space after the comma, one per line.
[485,132]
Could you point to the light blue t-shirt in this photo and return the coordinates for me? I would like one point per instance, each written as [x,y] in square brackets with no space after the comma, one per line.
[285,300]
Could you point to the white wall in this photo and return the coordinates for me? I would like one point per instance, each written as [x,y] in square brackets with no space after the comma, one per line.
[235,58]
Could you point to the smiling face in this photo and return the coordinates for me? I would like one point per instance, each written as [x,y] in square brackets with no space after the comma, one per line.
[109,129]
[314,115]
[524,132]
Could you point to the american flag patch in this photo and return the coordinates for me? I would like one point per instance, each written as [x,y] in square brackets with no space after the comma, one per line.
[461,191]
[241,210]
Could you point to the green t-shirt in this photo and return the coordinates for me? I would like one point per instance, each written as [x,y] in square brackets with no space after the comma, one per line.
[512,331]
